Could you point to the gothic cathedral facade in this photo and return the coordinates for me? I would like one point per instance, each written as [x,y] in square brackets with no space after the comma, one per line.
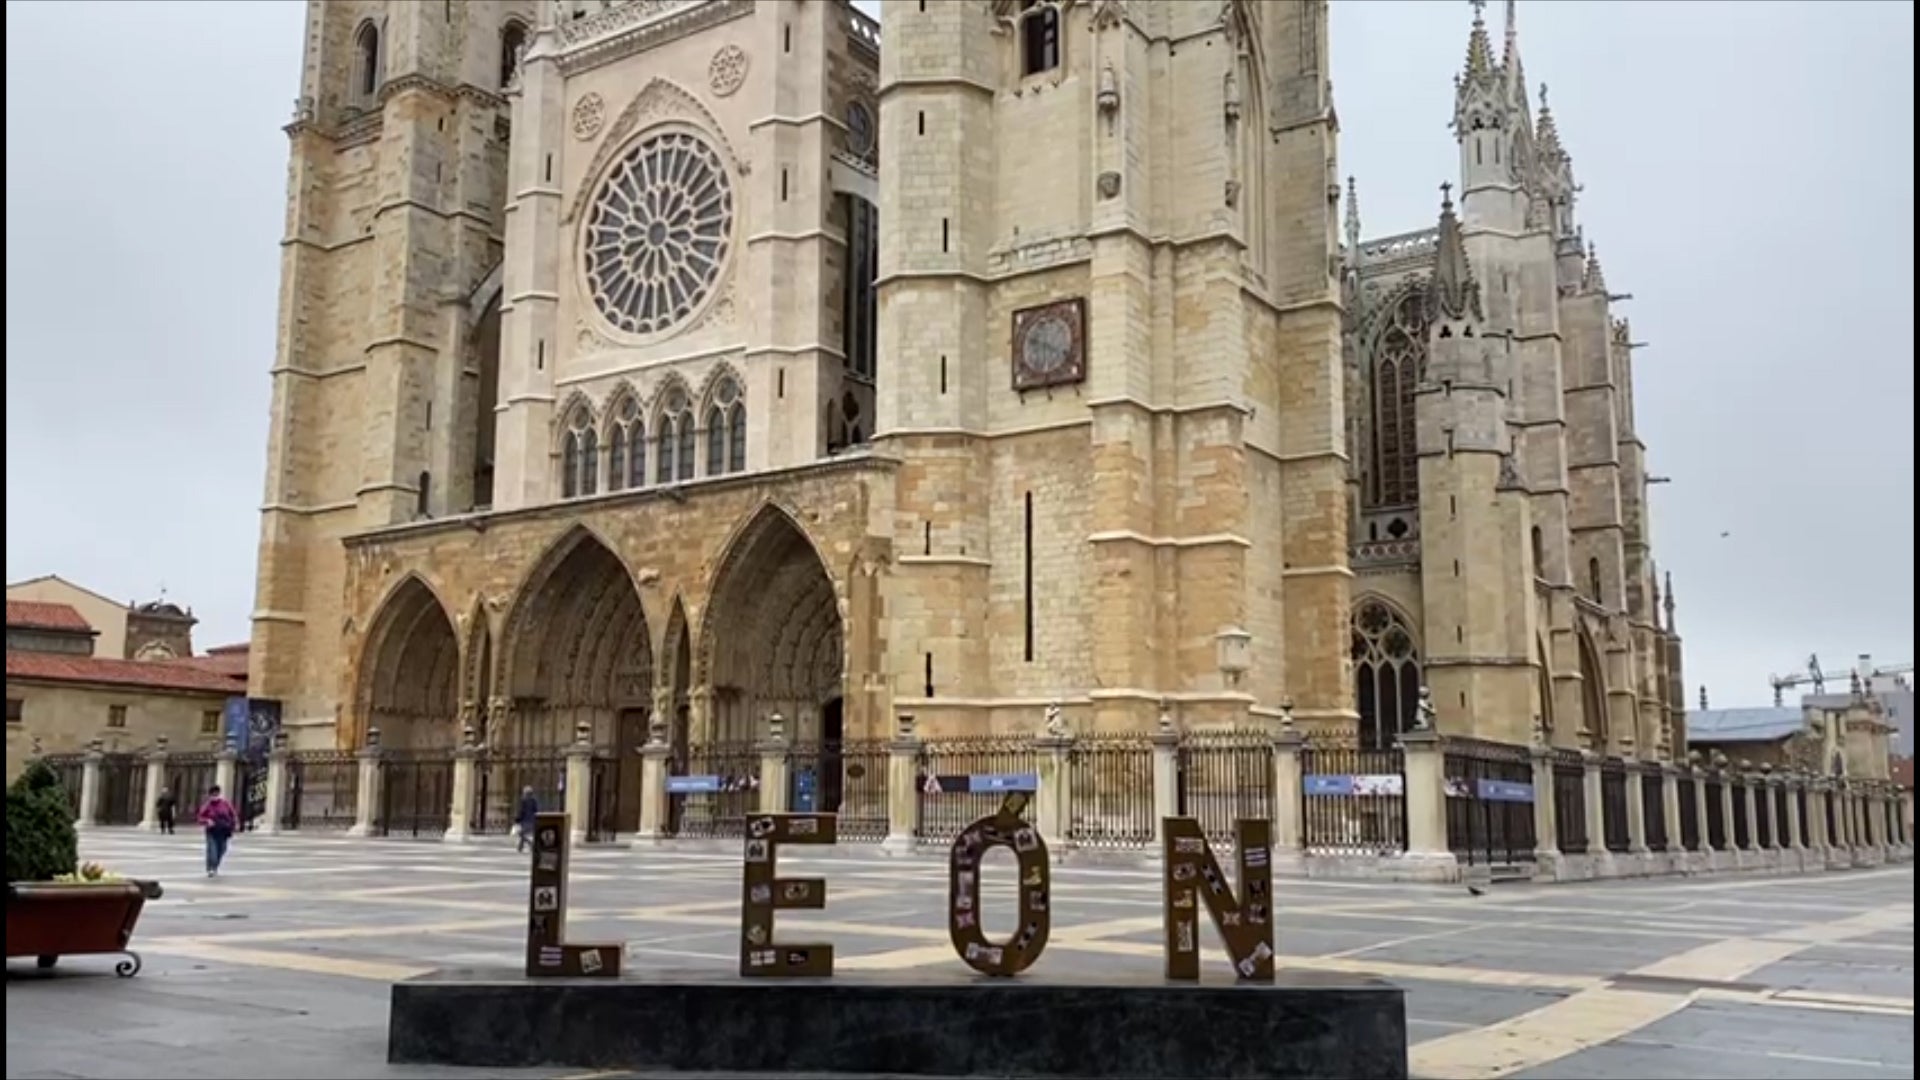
[651,368]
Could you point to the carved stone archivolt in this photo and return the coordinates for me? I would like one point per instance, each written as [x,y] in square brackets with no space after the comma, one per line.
[727,72]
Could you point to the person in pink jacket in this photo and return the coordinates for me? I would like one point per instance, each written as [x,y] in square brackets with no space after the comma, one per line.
[219,818]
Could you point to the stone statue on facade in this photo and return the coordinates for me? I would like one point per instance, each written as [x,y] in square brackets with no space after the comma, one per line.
[1056,723]
[1423,713]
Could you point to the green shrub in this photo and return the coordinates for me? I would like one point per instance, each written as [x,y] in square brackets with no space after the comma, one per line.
[41,843]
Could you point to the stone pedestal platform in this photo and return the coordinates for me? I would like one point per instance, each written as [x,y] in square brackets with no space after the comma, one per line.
[927,1023]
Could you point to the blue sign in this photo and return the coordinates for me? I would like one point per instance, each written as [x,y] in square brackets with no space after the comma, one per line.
[1003,782]
[1333,784]
[692,785]
[1505,791]
[805,785]
[1328,785]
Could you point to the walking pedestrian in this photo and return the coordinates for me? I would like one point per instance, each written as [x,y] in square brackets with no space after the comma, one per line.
[164,809]
[220,820]
[523,818]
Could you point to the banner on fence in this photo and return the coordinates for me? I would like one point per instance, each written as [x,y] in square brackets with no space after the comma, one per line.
[692,785]
[1331,784]
[980,782]
[1490,790]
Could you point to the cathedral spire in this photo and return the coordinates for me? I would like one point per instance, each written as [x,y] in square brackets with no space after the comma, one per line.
[1547,132]
[1668,600]
[1596,279]
[1353,219]
[1479,49]
[1455,294]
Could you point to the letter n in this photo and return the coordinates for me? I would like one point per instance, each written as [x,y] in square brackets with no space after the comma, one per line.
[1193,877]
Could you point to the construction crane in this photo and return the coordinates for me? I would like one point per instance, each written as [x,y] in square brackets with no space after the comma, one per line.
[1865,673]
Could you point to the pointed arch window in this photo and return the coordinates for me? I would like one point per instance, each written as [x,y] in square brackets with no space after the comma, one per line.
[1386,673]
[1399,362]
[1593,581]
[627,447]
[513,39]
[579,456]
[674,439]
[726,430]
[366,63]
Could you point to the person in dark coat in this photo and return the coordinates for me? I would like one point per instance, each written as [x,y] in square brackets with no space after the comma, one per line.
[523,818]
[164,808]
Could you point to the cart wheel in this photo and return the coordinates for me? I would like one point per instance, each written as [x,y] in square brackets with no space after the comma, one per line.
[45,962]
[129,967]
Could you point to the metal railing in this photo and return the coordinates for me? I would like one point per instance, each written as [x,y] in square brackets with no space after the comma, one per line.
[1613,804]
[1110,791]
[1800,802]
[416,792]
[1223,776]
[1716,813]
[1569,802]
[941,815]
[1782,831]
[1689,813]
[1653,807]
[846,779]
[123,789]
[323,791]
[721,813]
[1763,825]
[1354,801]
[1487,822]
[501,778]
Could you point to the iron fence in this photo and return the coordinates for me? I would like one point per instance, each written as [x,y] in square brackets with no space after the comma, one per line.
[1742,826]
[1110,791]
[1763,824]
[735,769]
[1833,830]
[1223,776]
[1569,802]
[1653,807]
[190,776]
[1354,800]
[1689,813]
[1800,803]
[941,815]
[1782,830]
[847,779]
[604,784]
[1489,802]
[501,778]
[416,792]
[323,791]
[1716,813]
[70,770]
[1613,805]
[123,790]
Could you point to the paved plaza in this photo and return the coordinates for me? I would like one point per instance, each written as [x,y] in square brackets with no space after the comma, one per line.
[280,967]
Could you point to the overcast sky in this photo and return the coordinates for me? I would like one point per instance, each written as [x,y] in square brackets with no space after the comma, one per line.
[1749,179]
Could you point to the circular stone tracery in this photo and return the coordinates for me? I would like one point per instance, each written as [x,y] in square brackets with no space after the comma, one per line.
[658,233]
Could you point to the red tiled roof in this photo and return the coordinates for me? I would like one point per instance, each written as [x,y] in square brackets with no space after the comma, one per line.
[1903,772]
[232,665]
[236,647]
[38,615]
[54,667]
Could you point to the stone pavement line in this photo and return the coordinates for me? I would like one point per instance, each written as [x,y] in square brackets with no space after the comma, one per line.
[1608,1012]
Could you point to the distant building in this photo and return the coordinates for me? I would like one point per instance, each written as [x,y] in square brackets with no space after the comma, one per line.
[1828,734]
[63,693]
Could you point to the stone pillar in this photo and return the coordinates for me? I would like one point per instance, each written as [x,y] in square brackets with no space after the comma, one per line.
[1289,803]
[460,807]
[653,787]
[1596,815]
[1166,779]
[1765,809]
[1054,811]
[1546,827]
[1670,809]
[578,798]
[279,766]
[156,783]
[225,767]
[903,789]
[1796,828]
[1904,810]
[367,806]
[1427,805]
[775,787]
[90,785]
[1637,815]
[1726,816]
[1700,813]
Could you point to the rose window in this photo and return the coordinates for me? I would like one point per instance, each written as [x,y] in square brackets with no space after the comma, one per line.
[658,233]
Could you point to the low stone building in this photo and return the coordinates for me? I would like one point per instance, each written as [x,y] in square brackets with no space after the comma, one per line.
[1830,735]
[61,696]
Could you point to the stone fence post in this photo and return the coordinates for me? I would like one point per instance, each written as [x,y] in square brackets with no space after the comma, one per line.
[1289,800]
[279,762]
[1670,807]
[226,766]
[1546,823]
[1426,795]
[1637,814]
[1166,778]
[1054,809]
[1596,815]
[460,805]
[653,785]
[367,806]
[90,785]
[578,798]
[903,789]
[776,789]
[156,783]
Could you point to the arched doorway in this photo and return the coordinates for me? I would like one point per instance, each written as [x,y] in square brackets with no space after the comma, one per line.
[409,676]
[580,651]
[772,639]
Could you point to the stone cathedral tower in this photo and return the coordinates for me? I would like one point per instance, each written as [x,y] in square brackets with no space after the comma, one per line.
[657,367]
[1501,538]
